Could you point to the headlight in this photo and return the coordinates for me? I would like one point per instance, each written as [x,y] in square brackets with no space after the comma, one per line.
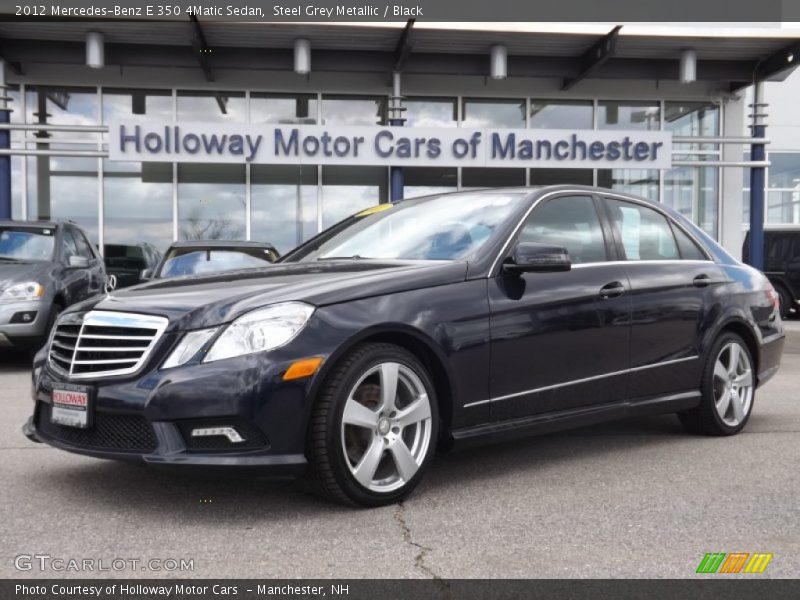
[21,292]
[260,330]
[189,345]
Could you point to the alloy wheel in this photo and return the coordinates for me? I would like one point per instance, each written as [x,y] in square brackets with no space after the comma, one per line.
[733,384]
[386,427]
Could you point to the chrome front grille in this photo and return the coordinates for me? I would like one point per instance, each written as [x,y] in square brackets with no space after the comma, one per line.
[103,343]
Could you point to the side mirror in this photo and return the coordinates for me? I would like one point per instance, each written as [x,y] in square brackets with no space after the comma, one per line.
[146,274]
[530,257]
[78,262]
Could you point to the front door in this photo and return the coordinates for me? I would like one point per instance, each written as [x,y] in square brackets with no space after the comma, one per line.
[560,340]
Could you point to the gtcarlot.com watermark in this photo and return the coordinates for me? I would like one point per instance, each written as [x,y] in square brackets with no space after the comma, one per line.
[46,562]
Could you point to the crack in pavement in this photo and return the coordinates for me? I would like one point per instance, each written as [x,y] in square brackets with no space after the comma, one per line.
[423,551]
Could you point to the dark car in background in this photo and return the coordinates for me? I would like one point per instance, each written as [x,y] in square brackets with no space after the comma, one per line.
[44,268]
[128,262]
[202,258]
[435,321]
[781,264]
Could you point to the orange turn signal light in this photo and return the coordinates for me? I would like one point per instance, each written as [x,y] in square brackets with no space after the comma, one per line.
[302,368]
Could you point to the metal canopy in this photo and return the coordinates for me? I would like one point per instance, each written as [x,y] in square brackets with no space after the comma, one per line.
[459,49]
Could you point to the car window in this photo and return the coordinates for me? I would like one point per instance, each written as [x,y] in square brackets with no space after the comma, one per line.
[796,246]
[646,234]
[26,243]
[688,248]
[69,246]
[83,246]
[571,222]
[197,262]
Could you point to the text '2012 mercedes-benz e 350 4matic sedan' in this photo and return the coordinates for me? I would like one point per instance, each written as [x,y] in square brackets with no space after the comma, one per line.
[412,327]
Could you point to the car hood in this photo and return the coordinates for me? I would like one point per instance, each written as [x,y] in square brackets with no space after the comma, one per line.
[19,272]
[204,301]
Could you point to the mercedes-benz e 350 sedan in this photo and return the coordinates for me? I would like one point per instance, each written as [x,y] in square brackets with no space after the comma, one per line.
[412,327]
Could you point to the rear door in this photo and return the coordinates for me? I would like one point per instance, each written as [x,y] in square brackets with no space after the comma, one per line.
[673,285]
[560,340]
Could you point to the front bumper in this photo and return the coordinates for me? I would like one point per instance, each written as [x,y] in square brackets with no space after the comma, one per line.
[150,417]
[17,332]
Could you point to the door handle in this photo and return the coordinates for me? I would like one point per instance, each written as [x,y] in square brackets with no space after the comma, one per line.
[612,290]
[701,280]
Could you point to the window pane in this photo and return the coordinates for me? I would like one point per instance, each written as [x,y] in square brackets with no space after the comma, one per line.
[137,104]
[694,192]
[423,181]
[346,190]
[431,112]
[642,182]
[559,176]
[783,207]
[784,170]
[211,202]
[492,177]
[283,202]
[211,106]
[646,235]
[689,250]
[130,186]
[570,222]
[487,112]
[692,119]
[283,108]
[353,110]
[561,114]
[614,114]
[64,188]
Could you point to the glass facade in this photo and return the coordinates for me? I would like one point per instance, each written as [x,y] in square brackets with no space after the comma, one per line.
[128,203]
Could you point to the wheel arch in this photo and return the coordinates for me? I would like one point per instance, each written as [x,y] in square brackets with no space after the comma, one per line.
[417,343]
[745,331]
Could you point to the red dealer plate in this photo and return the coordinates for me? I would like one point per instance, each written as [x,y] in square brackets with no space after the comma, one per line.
[70,408]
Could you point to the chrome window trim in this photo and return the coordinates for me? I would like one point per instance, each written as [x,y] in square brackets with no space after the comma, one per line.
[577,381]
[602,193]
[107,318]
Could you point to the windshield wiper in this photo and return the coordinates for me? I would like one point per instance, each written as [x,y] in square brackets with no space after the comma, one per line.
[353,257]
[10,259]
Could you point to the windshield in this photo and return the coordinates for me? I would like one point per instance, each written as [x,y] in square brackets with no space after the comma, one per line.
[451,227]
[26,243]
[196,261]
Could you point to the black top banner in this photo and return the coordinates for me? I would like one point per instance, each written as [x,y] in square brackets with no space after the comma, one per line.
[676,11]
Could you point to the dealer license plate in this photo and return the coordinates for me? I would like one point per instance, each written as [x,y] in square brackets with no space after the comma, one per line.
[70,407]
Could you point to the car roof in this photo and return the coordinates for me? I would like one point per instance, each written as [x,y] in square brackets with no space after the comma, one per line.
[41,224]
[221,244]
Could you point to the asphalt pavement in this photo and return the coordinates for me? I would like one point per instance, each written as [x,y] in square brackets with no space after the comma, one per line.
[639,498]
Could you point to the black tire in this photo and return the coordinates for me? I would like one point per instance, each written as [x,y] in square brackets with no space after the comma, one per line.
[704,419]
[330,470]
[785,301]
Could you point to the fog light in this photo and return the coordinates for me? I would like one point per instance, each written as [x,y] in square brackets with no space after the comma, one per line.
[228,432]
[24,317]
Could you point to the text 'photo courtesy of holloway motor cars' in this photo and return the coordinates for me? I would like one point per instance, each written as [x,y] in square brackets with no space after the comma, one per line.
[411,328]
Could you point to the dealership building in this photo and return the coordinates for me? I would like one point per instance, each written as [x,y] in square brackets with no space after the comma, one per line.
[119,125]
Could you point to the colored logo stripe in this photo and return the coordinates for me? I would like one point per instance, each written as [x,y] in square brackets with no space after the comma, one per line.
[758,563]
[714,562]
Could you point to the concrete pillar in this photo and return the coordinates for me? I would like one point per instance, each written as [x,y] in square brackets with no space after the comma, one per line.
[731,193]
[5,143]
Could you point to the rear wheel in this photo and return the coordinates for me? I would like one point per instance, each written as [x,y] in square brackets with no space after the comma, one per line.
[728,389]
[374,427]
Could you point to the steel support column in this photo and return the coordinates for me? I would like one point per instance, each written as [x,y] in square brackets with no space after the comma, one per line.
[396,175]
[757,179]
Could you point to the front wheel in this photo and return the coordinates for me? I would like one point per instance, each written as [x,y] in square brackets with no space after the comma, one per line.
[374,426]
[728,389]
